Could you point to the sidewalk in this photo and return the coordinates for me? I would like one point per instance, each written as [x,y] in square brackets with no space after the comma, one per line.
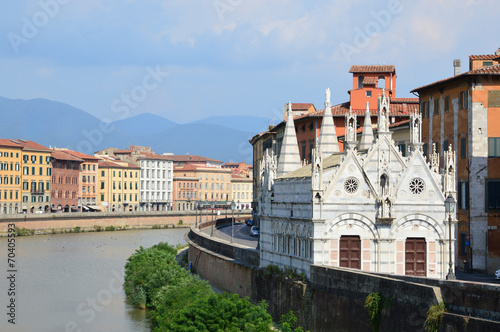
[477,277]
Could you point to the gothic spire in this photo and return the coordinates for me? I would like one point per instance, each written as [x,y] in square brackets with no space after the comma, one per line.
[328,138]
[367,136]
[289,159]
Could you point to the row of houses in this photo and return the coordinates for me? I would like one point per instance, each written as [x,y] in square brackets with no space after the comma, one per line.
[37,179]
[458,113]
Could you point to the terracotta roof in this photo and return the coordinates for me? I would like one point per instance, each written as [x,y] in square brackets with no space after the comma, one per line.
[62,155]
[81,155]
[182,158]
[489,70]
[301,105]
[370,81]
[9,143]
[373,69]
[148,155]
[125,151]
[26,144]
[484,57]
[404,100]
[110,164]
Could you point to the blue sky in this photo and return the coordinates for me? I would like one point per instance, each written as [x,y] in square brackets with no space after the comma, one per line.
[186,60]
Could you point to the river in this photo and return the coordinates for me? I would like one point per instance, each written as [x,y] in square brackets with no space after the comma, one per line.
[73,282]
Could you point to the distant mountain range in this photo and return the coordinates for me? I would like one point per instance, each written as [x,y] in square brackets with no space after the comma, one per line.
[52,123]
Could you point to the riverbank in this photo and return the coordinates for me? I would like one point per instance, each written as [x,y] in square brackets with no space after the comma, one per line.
[52,223]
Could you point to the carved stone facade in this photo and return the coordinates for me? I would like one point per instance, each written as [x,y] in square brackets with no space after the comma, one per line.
[373,210]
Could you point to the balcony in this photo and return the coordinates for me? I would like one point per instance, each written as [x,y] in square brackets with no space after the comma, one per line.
[37,192]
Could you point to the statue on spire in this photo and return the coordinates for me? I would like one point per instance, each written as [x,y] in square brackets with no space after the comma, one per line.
[327,93]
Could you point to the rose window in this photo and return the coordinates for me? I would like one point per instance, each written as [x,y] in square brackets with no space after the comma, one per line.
[417,186]
[351,185]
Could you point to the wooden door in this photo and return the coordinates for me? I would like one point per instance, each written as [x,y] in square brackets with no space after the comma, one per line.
[416,257]
[350,252]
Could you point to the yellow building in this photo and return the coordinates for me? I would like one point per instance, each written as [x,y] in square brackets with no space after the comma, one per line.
[241,192]
[10,177]
[214,184]
[36,176]
[118,185]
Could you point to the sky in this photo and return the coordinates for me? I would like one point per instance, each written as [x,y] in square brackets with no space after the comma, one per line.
[189,59]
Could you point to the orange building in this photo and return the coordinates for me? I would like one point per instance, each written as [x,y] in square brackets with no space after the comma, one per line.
[88,181]
[368,82]
[463,111]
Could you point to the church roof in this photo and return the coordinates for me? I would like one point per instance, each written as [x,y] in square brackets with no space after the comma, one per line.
[305,171]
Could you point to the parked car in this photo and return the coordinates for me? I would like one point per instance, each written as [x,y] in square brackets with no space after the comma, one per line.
[254,231]
[497,275]
[249,222]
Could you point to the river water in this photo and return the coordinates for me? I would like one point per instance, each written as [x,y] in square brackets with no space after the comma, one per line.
[73,282]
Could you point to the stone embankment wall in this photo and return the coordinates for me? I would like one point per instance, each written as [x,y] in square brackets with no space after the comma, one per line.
[334,298]
[137,219]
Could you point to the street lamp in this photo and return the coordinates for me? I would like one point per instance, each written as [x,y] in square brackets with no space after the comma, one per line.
[239,208]
[196,214]
[212,204]
[449,205]
[233,206]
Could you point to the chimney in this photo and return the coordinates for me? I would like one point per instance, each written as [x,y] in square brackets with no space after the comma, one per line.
[456,65]
[497,52]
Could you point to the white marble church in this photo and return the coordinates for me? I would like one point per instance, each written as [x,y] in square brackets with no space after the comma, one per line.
[366,208]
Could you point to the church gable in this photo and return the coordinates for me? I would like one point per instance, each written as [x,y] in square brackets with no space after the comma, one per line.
[349,183]
[419,183]
[383,159]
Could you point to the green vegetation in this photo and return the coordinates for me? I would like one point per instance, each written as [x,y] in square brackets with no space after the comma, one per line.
[180,222]
[156,227]
[77,229]
[434,316]
[110,228]
[373,304]
[97,228]
[288,321]
[24,231]
[286,273]
[181,301]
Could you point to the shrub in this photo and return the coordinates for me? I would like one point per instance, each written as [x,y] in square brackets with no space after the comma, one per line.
[373,304]
[97,228]
[110,228]
[150,269]
[180,222]
[155,227]
[24,231]
[434,316]
[77,229]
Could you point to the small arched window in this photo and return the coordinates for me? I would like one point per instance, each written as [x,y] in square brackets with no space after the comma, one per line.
[360,81]
[381,82]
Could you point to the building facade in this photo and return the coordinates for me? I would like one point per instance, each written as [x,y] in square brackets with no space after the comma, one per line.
[186,187]
[156,182]
[373,210]
[65,181]
[88,180]
[10,177]
[462,111]
[118,186]
[241,193]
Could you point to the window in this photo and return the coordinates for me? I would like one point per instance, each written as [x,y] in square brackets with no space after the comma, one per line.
[102,198]
[447,104]
[494,98]
[463,247]
[487,63]
[381,82]
[360,81]
[102,173]
[368,93]
[493,194]
[494,147]
[463,100]
[463,195]
[446,144]
[436,106]
[102,184]
[402,148]
[463,147]
[426,109]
